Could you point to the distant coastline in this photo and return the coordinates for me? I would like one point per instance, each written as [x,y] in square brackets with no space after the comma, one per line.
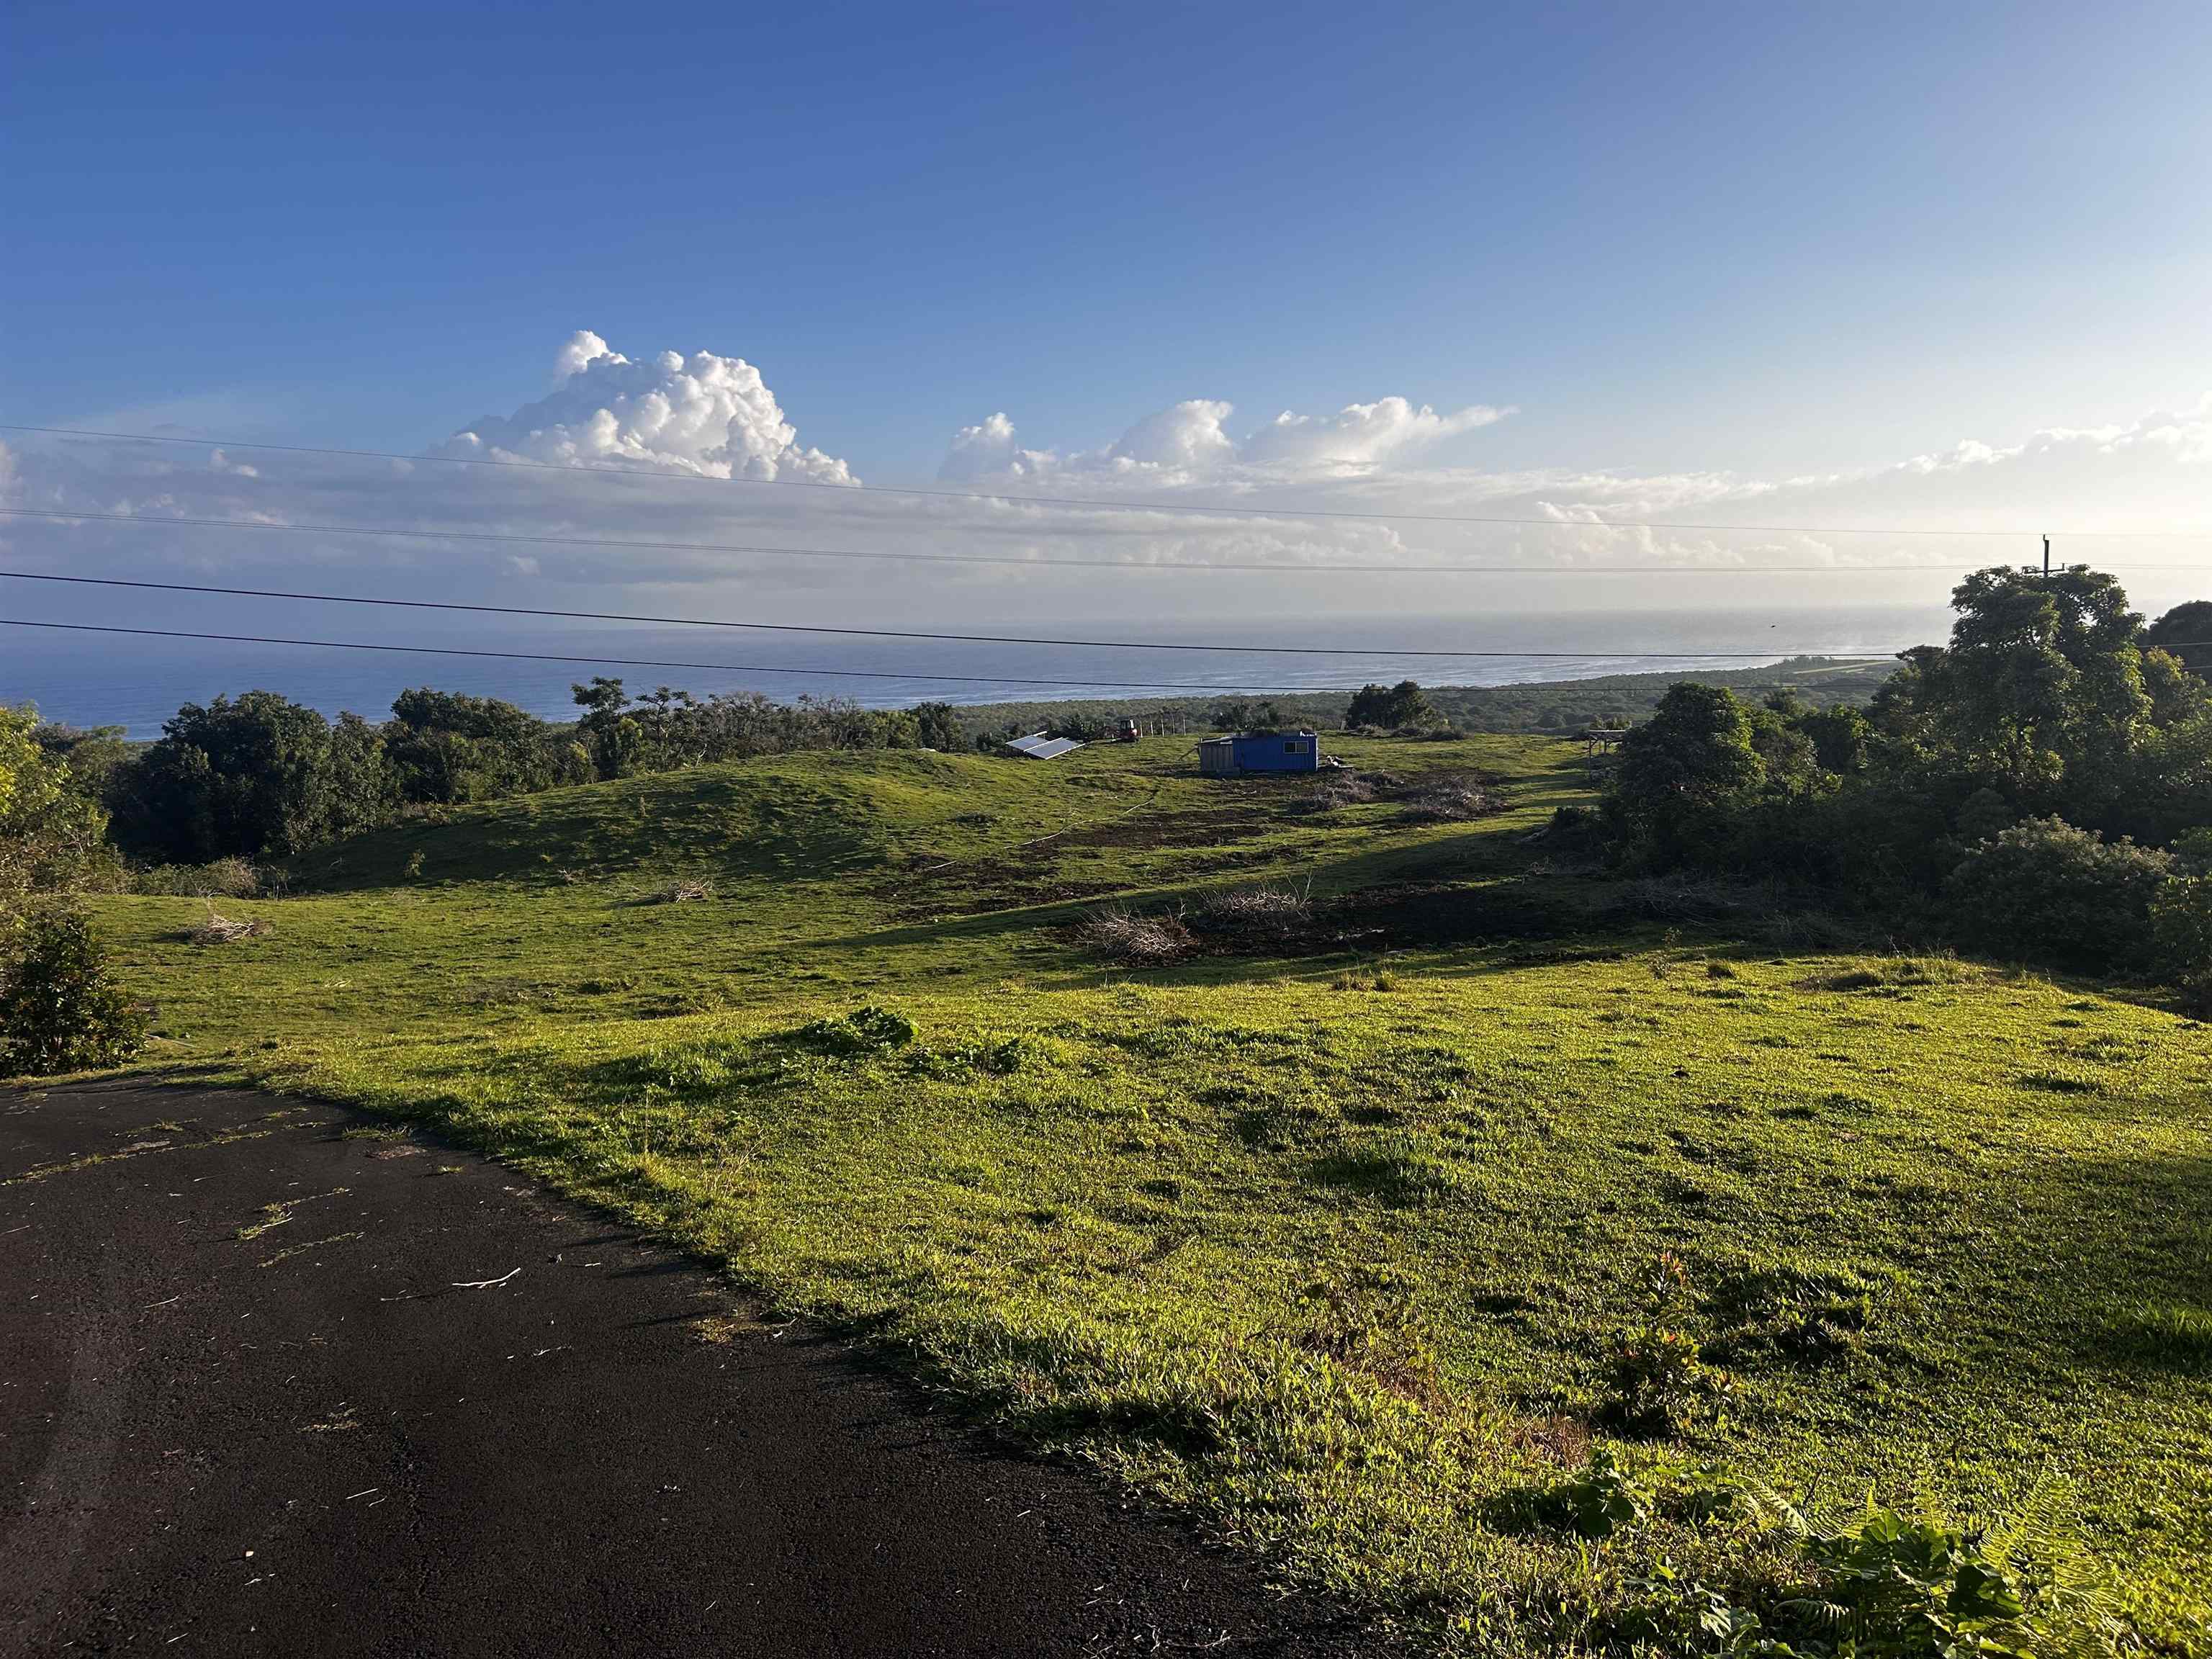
[89,681]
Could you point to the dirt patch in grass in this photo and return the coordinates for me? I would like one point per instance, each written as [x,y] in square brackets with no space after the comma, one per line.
[1284,922]
[1148,830]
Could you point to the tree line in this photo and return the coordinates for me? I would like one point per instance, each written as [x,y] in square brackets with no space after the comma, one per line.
[2041,785]
[259,776]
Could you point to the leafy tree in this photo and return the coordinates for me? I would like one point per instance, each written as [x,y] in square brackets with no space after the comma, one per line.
[444,746]
[616,742]
[1237,714]
[896,728]
[361,793]
[1792,765]
[668,735]
[1842,738]
[935,727]
[50,829]
[2175,691]
[91,756]
[1392,709]
[250,776]
[2043,673]
[60,1010]
[1983,815]
[2186,632]
[1685,773]
[26,780]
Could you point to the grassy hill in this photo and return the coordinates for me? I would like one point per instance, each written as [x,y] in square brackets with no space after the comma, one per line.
[1350,1228]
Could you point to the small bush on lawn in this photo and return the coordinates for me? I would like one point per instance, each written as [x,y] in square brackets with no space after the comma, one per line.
[1661,1384]
[59,1009]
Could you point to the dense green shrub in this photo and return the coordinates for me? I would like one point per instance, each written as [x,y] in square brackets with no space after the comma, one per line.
[936,725]
[2048,889]
[256,776]
[60,1011]
[2181,935]
[622,735]
[2016,783]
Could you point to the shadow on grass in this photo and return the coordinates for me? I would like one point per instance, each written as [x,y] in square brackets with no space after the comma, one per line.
[735,824]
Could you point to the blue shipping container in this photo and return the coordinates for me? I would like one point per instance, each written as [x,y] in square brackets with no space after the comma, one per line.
[1263,752]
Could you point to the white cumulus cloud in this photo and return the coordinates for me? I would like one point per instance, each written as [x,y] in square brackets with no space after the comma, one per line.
[703,414]
[1361,435]
[1192,440]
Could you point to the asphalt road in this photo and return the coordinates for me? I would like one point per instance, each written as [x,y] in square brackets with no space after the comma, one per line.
[416,1407]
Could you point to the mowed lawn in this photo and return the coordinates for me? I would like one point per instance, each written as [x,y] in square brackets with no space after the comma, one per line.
[1335,1241]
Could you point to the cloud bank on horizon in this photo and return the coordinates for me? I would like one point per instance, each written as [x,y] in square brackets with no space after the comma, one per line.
[1190,441]
[704,415]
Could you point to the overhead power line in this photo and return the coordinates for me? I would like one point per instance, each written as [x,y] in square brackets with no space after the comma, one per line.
[807,628]
[1278,567]
[856,673]
[517,464]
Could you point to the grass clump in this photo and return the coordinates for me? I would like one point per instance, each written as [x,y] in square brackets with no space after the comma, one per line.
[1396,1170]
[1800,1312]
[866,1030]
[2170,1335]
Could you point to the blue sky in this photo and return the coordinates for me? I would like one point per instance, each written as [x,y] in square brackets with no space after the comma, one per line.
[1844,270]
[1772,238]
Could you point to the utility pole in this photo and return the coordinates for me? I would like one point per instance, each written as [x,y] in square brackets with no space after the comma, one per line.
[2046,559]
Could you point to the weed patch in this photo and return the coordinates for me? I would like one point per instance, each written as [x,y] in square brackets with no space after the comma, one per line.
[1798,1313]
[1396,1170]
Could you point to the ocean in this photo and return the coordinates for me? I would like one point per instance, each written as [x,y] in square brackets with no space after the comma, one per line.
[96,679]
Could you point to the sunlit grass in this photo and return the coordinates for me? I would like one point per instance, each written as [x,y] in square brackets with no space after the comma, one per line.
[1337,1251]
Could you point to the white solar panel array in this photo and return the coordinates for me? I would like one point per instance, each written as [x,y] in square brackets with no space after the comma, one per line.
[1037,746]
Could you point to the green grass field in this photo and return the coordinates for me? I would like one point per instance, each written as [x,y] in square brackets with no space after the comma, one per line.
[1336,1242]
